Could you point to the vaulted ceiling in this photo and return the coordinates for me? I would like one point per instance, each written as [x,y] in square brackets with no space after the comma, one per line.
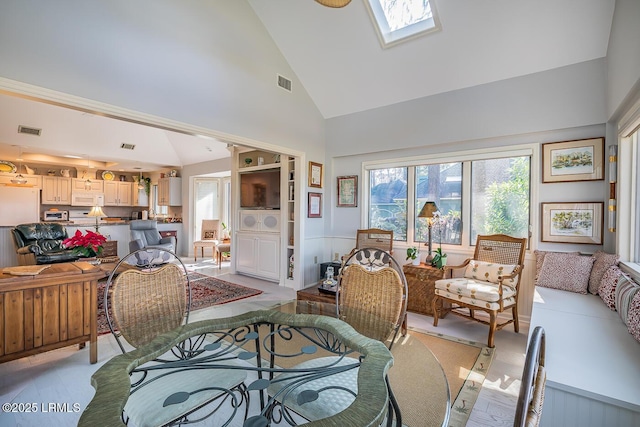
[336,55]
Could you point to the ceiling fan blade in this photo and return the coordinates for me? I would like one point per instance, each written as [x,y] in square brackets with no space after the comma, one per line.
[334,3]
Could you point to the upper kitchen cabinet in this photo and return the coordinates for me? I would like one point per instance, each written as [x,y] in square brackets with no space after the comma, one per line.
[80,185]
[32,180]
[170,191]
[139,196]
[56,190]
[117,193]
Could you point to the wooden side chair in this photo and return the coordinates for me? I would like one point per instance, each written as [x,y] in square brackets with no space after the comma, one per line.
[209,238]
[490,282]
[372,238]
[534,378]
[143,303]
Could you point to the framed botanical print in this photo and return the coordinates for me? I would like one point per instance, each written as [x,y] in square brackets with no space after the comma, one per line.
[314,208]
[315,175]
[572,222]
[567,161]
[348,191]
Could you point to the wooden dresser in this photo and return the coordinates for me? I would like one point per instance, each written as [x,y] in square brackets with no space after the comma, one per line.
[55,308]
[421,287]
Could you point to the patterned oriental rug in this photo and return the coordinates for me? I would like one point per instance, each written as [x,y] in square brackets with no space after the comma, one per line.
[206,291]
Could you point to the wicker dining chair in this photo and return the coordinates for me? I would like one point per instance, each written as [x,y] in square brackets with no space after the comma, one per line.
[534,377]
[372,298]
[490,283]
[372,294]
[148,294]
[372,238]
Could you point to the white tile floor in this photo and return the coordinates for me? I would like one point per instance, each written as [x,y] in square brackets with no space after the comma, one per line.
[63,376]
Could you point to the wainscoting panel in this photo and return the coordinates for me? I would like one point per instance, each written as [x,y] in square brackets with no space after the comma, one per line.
[8,254]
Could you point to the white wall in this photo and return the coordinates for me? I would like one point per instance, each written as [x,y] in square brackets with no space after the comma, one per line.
[210,64]
[623,55]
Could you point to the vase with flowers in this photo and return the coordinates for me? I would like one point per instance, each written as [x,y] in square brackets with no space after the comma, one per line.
[87,245]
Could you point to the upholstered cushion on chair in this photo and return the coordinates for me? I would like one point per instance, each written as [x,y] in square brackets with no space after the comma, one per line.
[607,289]
[331,400]
[475,292]
[489,271]
[602,262]
[144,233]
[371,259]
[566,271]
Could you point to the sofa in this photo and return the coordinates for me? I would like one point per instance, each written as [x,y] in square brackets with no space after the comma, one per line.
[41,243]
[590,311]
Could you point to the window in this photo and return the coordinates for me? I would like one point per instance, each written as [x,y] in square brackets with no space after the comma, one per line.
[500,197]
[205,202]
[496,198]
[398,20]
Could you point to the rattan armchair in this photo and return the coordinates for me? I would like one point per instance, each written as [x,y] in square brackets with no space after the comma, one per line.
[534,377]
[490,283]
[143,301]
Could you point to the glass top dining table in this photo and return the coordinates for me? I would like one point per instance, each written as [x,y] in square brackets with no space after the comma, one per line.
[292,364]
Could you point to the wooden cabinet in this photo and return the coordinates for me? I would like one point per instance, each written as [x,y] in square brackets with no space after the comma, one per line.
[421,287]
[117,193]
[53,309]
[79,185]
[32,180]
[170,191]
[56,190]
[258,254]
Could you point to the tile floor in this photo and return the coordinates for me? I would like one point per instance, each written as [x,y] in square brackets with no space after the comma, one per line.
[63,376]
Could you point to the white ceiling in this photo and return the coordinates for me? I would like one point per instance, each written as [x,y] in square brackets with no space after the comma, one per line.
[336,55]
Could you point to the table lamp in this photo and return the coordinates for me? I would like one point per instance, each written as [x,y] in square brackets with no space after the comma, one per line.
[427,211]
[97,212]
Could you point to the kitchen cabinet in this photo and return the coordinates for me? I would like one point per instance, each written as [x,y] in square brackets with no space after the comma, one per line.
[170,191]
[258,254]
[56,190]
[79,185]
[117,193]
[32,180]
[139,196]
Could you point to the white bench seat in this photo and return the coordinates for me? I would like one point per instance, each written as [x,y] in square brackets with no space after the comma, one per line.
[592,362]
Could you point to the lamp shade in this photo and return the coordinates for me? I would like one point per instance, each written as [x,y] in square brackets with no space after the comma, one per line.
[334,3]
[96,211]
[428,210]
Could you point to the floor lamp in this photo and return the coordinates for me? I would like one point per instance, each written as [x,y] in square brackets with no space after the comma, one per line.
[427,211]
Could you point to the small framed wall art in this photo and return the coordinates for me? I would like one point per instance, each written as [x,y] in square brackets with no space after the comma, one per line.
[348,191]
[567,161]
[314,208]
[315,175]
[572,222]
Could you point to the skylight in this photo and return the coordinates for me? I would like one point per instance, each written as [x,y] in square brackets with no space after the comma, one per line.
[399,20]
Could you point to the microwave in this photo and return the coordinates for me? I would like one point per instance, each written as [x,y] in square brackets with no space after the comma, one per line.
[56,215]
[87,199]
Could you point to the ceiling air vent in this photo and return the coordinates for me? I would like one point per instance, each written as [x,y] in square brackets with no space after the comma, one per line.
[284,83]
[29,131]
[127,146]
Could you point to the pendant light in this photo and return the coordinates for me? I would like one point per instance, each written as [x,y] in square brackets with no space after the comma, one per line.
[140,183]
[19,179]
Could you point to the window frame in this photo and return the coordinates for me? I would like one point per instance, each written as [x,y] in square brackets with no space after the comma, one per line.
[466,157]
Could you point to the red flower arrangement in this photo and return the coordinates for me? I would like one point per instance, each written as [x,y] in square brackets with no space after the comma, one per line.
[89,245]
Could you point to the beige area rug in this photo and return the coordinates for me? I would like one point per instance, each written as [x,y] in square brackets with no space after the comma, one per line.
[464,364]
[461,363]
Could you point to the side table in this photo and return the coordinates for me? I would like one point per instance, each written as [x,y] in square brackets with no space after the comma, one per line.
[421,288]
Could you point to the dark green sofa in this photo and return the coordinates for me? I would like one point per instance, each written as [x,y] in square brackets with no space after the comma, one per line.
[41,243]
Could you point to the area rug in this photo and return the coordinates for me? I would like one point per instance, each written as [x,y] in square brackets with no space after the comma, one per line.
[206,291]
[465,364]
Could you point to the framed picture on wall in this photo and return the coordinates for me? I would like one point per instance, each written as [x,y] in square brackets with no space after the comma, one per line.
[572,222]
[567,161]
[314,207]
[315,175]
[348,191]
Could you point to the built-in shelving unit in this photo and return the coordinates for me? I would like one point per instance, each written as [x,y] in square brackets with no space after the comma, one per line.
[290,212]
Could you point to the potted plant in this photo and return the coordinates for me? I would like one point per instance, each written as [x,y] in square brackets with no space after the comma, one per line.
[412,254]
[225,233]
[439,259]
